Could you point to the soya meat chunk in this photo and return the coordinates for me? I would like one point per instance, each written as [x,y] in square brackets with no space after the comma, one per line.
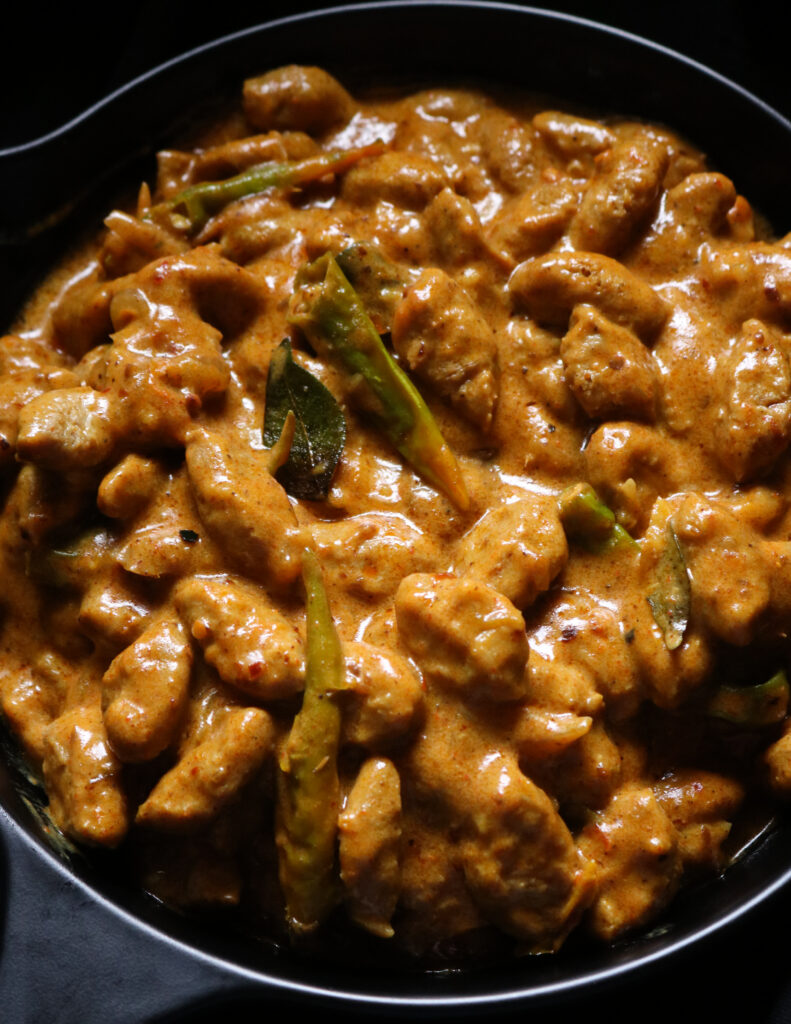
[463,634]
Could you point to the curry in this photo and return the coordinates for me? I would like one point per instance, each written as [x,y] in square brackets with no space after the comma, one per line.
[395,525]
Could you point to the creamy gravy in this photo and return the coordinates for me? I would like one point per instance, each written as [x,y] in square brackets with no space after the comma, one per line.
[552,712]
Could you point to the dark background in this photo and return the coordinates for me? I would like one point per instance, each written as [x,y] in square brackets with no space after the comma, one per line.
[59,60]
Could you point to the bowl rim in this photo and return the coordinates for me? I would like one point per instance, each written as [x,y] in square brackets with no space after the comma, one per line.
[162,68]
[249,979]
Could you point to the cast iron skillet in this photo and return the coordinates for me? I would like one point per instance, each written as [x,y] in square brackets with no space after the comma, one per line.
[79,945]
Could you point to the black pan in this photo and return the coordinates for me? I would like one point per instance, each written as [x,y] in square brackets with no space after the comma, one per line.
[79,945]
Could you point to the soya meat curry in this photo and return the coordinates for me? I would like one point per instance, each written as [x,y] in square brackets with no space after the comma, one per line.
[395,522]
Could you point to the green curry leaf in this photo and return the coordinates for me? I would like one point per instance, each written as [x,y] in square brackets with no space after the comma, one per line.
[670,599]
[320,429]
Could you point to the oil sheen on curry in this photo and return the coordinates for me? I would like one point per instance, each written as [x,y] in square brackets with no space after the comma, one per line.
[395,531]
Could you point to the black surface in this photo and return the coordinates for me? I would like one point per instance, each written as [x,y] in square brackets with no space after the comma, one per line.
[68,957]
[59,61]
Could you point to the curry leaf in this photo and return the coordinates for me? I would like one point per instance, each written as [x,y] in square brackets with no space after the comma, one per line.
[670,599]
[320,429]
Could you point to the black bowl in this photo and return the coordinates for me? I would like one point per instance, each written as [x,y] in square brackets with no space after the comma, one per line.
[71,922]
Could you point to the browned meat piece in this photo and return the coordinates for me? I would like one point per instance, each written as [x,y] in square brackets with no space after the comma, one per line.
[728,567]
[273,232]
[587,633]
[435,119]
[166,361]
[406,180]
[685,159]
[573,136]
[296,98]
[81,316]
[631,464]
[369,847]
[561,708]
[584,775]
[28,370]
[42,502]
[463,634]
[507,145]
[549,287]
[211,701]
[130,485]
[518,549]
[29,704]
[537,407]
[113,611]
[560,686]
[243,636]
[692,212]
[211,774]
[621,195]
[749,281]
[701,805]
[540,733]
[435,907]
[368,554]
[758,506]
[145,691]
[608,368]
[635,847]
[22,355]
[444,340]
[245,509]
[384,700]
[70,428]
[520,863]
[538,218]
[753,425]
[742,221]
[83,778]
[167,537]
[456,230]
[129,245]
